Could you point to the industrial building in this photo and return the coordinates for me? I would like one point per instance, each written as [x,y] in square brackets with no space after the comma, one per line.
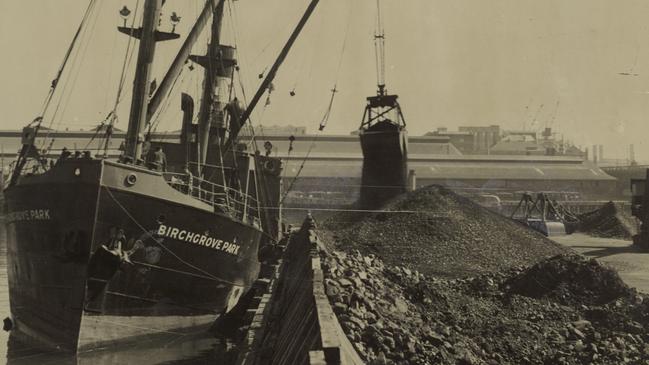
[330,165]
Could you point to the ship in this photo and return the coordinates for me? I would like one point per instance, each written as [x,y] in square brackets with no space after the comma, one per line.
[163,239]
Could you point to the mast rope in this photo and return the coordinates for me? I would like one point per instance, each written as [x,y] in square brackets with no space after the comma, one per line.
[55,83]
[234,29]
[59,73]
[248,126]
[127,60]
[72,77]
[327,113]
[155,121]
[111,117]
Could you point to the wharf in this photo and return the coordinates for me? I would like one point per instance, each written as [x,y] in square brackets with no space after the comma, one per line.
[292,321]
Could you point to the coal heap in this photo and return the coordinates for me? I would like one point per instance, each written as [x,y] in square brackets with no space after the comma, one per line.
[395,315]
[570,279]
[438,232]
[609,221]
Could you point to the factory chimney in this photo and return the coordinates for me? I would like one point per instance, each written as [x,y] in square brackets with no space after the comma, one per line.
[601,153]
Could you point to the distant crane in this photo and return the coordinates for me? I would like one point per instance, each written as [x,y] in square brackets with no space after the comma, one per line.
[635,62]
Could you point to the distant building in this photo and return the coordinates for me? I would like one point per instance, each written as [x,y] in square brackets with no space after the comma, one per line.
[484,137]
[275,130]
[463,141]
[518,143]
[328,163]
[528,143]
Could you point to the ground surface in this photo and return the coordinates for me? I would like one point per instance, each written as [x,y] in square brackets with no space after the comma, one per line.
[631,263]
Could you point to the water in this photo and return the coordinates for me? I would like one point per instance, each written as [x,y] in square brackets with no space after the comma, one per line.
[200,348]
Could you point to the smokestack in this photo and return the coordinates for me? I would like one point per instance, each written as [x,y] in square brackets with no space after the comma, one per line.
[631,154]
[595,153]
[586,158]
[601,152]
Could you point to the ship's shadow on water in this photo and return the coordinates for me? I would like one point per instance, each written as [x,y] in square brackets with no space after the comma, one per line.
[199,349]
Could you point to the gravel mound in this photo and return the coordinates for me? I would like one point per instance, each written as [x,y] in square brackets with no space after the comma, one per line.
[438,232]
[394,315]
[609,221]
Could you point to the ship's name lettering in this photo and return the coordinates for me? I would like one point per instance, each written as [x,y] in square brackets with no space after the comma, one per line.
[197,238]
[29,215]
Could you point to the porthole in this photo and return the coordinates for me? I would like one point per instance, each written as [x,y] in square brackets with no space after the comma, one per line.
[77,172]
[130,180]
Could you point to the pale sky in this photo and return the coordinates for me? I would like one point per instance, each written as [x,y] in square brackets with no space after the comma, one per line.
[452,62]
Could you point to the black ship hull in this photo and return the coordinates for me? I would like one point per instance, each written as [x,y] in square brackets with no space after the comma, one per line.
[100,252]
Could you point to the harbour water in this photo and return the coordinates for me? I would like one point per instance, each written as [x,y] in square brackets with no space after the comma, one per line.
[168,349]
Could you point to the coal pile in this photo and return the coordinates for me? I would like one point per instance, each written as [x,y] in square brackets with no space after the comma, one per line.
[609,221]
[570,279]
[395,315]
[438,232]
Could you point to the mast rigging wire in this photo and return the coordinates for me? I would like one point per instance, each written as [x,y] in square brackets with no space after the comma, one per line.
[72,56]
[59,73]
[111,117]
[327,113]
[80,57]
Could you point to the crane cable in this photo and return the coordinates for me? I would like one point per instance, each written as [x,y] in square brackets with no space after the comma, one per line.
[379,47]
[326,115]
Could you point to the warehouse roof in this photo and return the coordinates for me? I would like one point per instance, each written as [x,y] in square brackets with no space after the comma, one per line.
[468,169]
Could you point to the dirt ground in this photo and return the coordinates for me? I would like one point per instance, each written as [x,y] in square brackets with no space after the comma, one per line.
[631,263]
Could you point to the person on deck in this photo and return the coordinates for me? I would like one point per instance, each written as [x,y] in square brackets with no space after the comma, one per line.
[157,160]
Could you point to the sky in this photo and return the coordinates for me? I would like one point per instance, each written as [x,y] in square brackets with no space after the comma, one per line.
[522,64]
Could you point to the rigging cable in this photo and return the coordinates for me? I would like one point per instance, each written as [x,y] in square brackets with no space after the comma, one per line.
[73,77]
[155,120]
[55,83]
[233,24]
[78,58]
[59,73]
[111,117]
[327,113]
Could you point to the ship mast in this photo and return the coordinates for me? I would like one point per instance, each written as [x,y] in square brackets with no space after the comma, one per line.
[181,58]
[219,64]
[141,85]
[148,35]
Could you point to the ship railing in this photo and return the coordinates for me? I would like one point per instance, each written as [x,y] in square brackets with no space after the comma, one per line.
[223,198]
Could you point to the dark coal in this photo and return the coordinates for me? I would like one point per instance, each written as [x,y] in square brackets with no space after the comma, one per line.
[438,232]
[395,315]
[570,279]
[609,221]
